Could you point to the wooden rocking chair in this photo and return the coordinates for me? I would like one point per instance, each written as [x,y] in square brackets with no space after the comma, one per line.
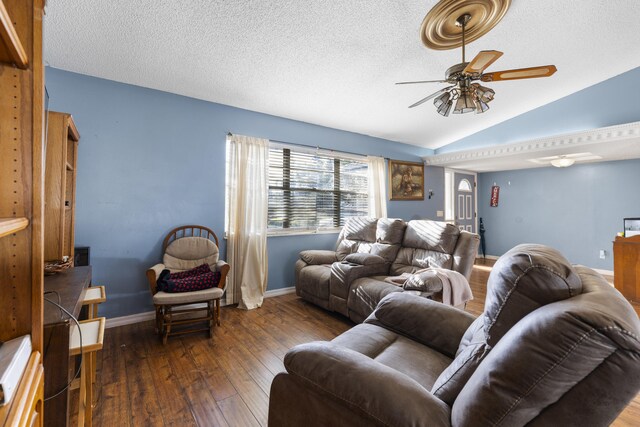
[185,248]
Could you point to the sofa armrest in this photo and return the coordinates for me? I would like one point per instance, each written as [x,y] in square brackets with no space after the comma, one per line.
[428,322]
[465,253]
[343,273]
[152,276]
[363,385]
[223,268]
[318,257]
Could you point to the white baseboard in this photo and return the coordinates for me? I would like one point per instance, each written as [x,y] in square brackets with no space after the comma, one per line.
[129,320]
[278,292]
[150,315]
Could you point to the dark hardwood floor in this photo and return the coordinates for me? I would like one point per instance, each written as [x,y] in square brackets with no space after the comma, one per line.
[224,381]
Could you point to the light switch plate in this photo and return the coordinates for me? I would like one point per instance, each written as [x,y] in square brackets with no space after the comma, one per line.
[440,214]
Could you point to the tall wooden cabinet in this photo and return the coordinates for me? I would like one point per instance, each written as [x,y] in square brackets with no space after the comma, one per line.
[21,197]
[626,266]
[60,186]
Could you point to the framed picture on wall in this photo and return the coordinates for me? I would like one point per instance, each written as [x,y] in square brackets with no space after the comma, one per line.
[406,180]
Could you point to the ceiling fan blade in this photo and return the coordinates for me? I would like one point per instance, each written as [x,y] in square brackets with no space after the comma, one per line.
[421,81]
[482,61]
[433,95]
[521,73]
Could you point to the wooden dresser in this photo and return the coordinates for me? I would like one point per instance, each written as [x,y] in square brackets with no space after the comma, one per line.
[626,266]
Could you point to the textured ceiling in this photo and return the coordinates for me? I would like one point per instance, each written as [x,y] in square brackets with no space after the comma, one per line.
[334,62]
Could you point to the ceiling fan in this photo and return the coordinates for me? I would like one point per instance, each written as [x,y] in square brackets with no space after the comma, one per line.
[467,94]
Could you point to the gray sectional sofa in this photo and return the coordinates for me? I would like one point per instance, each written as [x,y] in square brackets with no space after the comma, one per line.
[556,346]
[351,279]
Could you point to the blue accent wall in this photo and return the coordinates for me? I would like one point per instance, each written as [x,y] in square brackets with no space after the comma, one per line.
[612,102]
[577,210]
[149,161]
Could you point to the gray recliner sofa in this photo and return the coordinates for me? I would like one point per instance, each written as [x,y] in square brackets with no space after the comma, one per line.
[351,279]
[556,345]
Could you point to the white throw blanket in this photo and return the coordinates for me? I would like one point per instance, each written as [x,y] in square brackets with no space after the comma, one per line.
[455,288]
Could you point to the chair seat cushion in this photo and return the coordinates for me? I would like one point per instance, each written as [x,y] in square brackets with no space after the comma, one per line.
[163,298]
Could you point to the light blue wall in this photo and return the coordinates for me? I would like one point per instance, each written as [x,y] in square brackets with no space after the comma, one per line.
[149,161]
[578,210]
[612,102]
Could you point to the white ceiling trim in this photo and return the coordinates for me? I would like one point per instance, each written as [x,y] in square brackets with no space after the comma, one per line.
[609,143]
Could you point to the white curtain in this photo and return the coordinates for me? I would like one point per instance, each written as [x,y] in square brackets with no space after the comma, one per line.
[377,188]
[247,205]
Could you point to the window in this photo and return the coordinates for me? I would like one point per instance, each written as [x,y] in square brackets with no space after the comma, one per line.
[311,190]
[465,185]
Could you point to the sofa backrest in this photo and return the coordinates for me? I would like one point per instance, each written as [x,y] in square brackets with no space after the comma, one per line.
[371,235]
[524,279]
[574,361]
[425,244]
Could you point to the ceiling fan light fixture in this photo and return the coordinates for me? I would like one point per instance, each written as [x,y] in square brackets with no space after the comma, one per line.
[562,162]
[485,94]
[481,106]
[442,99]
[445,108]
[464,104]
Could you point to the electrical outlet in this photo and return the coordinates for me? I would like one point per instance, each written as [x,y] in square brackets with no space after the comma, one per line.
[440,214]
[603,254]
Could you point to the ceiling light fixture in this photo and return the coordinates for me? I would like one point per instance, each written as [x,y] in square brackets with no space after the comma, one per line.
[440,31]
[562,162]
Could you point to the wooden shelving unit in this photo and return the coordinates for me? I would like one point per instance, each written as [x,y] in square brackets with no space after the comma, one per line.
[21,193]
[60,186]
[12,225]
[11,49]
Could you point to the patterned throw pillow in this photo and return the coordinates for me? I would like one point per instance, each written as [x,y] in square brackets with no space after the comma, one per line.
[201,269]
[196,279]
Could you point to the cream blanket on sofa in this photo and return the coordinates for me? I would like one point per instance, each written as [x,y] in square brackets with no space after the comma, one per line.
[455,288]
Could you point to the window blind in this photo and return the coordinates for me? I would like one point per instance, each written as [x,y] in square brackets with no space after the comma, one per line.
[314,190]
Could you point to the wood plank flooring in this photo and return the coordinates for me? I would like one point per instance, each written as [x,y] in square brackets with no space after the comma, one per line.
[224,381]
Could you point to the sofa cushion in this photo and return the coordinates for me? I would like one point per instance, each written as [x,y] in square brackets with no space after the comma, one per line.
[406,356]
[387,251]
[390,231]
[360,228]
[366,293]
[433,235]
[409,260]
[524,279]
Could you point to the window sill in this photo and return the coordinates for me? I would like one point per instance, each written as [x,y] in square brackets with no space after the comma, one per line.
[280,233]
[297,233]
